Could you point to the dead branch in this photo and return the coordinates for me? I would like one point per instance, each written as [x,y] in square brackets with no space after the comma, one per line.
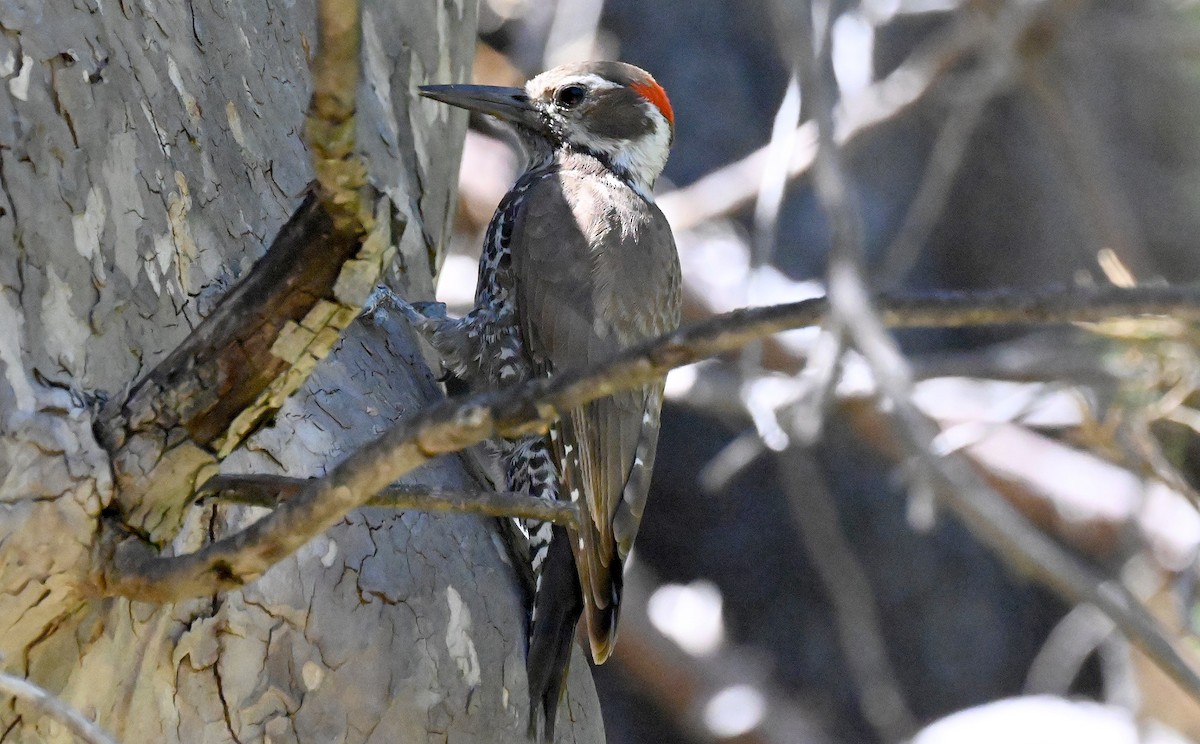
[49,705]
[992,519]
[269,490]
[128,565]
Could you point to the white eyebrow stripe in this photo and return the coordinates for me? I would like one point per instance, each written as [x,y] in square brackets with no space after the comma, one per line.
[590,80]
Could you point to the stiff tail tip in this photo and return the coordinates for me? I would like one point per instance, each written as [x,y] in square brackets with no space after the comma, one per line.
[602,621]
[557,608]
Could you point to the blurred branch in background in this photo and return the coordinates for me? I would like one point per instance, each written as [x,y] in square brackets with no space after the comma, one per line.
[737,185]
[718,695]
[983,510]
[859,628]
[951,145]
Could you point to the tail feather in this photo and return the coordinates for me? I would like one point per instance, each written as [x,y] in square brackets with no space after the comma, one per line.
[602,620]
[557,607]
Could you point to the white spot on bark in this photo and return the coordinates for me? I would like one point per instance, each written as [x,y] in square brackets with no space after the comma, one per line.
[189,101]
[10,354]
[313,675]
[8,63]
[458,638]
[65,333]
[19,86]
[331,552]
[235,124]
[89,226]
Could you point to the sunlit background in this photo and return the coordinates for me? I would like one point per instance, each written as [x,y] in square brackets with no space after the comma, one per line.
[793,582]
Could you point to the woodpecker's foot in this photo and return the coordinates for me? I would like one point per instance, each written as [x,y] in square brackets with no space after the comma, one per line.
[417,313]
[380,299]
[430,310]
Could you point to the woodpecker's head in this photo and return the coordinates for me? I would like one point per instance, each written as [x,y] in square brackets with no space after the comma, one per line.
[611,110]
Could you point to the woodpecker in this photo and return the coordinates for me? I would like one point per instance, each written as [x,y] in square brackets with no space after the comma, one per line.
[578,263]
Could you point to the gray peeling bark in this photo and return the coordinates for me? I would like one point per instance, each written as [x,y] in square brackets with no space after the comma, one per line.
[148,155]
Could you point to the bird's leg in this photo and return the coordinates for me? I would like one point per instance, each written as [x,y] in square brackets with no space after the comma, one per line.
[457,341]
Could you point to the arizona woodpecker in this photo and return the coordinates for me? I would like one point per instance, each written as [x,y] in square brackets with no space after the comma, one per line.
[578,263]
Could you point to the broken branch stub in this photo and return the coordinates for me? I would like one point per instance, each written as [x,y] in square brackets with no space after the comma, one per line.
[265,336]
[239,365]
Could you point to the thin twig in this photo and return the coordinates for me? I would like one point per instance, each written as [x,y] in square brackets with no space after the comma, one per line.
[768,204]
[855,613]
[49,705]
[684,684]
[941,169]
[735,186]
[883,706]
[128,566]
[993,520]
[1108,219]
[1001,46]
[269,491]
[1066,650]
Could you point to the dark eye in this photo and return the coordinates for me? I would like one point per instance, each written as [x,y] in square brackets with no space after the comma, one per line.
[569,96]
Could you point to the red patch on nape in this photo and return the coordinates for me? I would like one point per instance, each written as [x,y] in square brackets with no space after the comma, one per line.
[654,93]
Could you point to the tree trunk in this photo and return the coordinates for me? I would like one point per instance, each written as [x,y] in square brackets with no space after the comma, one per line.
[149,152]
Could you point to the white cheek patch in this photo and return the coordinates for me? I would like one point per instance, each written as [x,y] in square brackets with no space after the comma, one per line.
[645,157]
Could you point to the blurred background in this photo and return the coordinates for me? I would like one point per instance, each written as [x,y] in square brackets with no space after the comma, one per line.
[792,581]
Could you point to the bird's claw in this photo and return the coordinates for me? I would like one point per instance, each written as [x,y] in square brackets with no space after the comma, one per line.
[379,297]
[415,312]
[430,310]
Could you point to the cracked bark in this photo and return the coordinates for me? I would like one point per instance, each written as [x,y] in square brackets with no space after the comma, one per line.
[147,159]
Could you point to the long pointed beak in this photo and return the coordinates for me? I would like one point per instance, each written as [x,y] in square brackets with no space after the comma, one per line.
[509,104]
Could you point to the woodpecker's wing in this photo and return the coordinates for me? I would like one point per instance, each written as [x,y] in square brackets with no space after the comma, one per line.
[598,272]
